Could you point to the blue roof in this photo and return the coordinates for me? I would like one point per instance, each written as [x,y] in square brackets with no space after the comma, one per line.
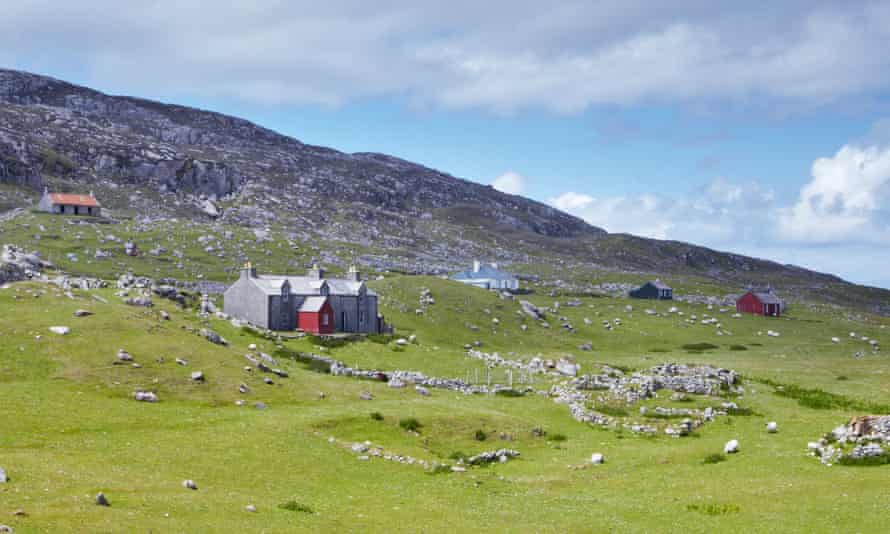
[485,272]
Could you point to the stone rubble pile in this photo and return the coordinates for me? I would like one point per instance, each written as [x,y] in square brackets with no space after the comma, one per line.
[17,264]
[863,437]
[487,457]
[401,378]
[535,365]
[614,385]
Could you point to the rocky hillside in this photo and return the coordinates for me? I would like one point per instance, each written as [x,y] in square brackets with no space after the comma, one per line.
[86,136]
[162,161]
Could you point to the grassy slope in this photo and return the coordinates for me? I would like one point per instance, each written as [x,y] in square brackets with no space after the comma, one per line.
[70,430]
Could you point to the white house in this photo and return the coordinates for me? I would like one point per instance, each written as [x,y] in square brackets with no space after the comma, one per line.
[487,277]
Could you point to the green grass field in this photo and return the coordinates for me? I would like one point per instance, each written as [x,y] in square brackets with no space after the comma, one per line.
[71,429]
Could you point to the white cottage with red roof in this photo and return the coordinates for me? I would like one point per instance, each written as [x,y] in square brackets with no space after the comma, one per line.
[69,204]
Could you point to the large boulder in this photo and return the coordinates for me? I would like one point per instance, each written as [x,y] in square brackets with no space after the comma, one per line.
[531,310]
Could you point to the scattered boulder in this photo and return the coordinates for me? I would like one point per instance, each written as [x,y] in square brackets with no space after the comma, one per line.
[189,484]
[567,367]
[396,383]
[422,391]
[102,500]
[145,396]
[197,376]
[366,395]
[124,356]
[82,313]
[3,478]
[772,427]
[250,508]
[530,309]
[597,458]
[213,337]
[731,447]
[144,302]
[164,315]
[60,330]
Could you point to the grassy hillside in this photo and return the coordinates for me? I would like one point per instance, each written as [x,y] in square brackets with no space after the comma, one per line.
[71,428]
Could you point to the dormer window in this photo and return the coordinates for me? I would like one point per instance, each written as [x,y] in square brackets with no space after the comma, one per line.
[285,292]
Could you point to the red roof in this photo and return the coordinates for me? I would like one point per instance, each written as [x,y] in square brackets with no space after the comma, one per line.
[73,200]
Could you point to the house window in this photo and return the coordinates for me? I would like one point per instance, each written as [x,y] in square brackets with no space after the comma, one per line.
[362,316]
[285,293]
[324,319]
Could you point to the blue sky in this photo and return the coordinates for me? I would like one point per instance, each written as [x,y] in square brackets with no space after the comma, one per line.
[758,127]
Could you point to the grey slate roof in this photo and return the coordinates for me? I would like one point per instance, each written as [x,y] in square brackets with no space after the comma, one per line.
[659,284]
[485,272]
[307,285]
[312,304]
[268,286]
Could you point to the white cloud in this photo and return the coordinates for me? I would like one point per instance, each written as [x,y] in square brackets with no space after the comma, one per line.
[847,199]
[839,223]
[499,55]
[715,214]
[510,182]
[571,201]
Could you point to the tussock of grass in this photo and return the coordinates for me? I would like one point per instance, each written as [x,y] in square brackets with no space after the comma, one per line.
[818,399]
[713,508]
[714,458]
[738,347]
[410,424]
[480,435]
[740,411]
[377,416]
[699,347]
[295,506]
[867,461]
[510,393]
[557,437]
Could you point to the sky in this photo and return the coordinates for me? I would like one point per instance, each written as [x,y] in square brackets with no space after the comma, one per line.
[755,127]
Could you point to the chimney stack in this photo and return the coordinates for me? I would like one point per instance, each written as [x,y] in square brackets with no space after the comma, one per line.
[354,274]
[248,271]
[316,272]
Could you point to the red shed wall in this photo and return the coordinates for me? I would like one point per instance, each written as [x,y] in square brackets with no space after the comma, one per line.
[312,321]
[749,304]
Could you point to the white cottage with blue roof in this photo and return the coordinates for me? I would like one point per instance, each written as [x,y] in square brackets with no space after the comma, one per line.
[487,277]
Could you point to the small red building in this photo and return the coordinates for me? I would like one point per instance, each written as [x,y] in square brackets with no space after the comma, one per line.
[316,316]
[760,303]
